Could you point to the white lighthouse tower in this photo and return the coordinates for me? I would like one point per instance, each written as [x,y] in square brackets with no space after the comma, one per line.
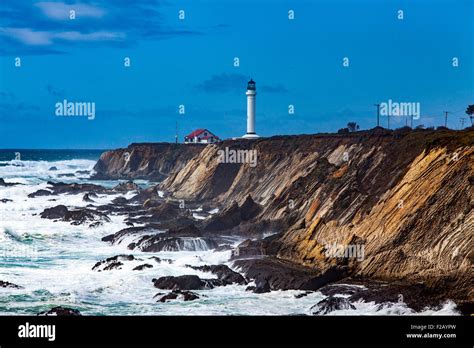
[251,93]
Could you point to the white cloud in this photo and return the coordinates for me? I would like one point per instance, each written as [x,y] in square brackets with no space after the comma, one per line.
[61,11]
[44,38]
[94,36]
[28,36]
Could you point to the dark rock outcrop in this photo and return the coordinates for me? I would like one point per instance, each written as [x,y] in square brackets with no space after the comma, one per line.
[340,289]
[117,237]
[40,193]
[4,284]
[61,312]
[88,197]
[142,267]
[114,262]
[160,260]
[415,296]
[6,184]
[331,304]
[186,282]
[76,217]
[284,275]
[151,238]
[57,212]
[179,294]
[60,187]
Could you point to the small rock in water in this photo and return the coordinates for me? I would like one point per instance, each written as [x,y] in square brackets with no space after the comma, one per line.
[87,197]
[186,282]
[331,304]
[4,284]
[142,267]
[53,169]
[3,183]
[76,217]
[5,200]
[113,262]
[61,311]
[40,193]
[57,212]
[178,294]
[159,260]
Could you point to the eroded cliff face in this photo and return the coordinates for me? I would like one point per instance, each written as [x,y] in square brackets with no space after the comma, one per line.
[145,161]
[397,206]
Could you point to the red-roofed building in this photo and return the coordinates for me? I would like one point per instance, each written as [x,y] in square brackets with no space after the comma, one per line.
[201,136]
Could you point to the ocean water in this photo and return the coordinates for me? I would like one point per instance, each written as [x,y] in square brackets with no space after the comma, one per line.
[53,261]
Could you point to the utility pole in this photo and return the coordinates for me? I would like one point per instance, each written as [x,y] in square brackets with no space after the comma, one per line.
[378,114]
[176,134]
[462,119]
[411,121]
[446,118]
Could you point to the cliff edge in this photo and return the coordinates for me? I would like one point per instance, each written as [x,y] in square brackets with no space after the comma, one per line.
[152,161]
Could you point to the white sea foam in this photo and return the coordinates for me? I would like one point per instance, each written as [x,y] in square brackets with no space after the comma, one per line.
[28,171]
[199,217]
[395,308]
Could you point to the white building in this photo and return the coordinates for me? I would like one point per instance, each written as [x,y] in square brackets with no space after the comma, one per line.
[201,136]
[251,94]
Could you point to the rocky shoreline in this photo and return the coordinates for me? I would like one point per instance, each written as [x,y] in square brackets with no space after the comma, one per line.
[401,197]
[405,196]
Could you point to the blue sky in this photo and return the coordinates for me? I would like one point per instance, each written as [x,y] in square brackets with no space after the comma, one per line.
[190,62]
